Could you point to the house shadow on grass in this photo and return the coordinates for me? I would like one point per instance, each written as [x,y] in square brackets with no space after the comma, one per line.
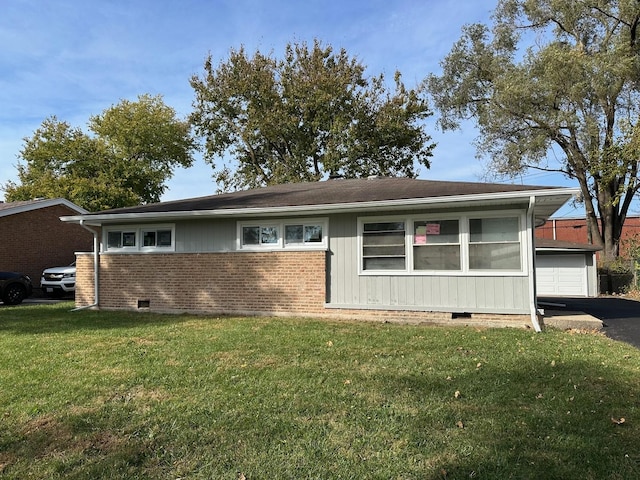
[61,318]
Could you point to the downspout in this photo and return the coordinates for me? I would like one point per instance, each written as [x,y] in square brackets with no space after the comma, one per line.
[531,265]
[96,270]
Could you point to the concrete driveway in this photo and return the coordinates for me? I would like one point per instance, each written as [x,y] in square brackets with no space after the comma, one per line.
[620,317]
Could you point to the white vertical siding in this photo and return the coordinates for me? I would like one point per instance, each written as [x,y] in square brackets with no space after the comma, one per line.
[208,235]
[455,293]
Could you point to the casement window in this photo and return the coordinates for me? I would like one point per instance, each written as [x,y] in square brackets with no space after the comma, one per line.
[445,245]
[139,239]
[290,234]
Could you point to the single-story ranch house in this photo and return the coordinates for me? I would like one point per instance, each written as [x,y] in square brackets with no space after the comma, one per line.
[382,248]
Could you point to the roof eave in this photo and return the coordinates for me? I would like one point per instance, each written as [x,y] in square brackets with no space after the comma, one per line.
[384,205]
[38,204]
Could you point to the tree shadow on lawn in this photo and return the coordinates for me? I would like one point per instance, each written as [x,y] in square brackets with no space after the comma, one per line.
[60,318]
[531,420]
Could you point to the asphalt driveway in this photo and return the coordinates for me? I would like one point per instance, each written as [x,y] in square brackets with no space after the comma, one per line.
[621,317]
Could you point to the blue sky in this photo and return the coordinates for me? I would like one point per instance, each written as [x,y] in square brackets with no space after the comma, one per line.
[74,59]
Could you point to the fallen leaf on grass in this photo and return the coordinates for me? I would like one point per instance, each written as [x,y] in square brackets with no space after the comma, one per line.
[618,421]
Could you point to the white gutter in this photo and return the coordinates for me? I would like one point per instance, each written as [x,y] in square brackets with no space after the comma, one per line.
[96,269]
[407,203]
[531,256]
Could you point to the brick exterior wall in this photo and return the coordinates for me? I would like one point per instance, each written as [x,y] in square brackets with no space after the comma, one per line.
[575,230]
[232,282]
[243,283]
[84,280]
[34,240]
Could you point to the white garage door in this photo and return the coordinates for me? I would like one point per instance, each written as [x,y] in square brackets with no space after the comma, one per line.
[564,275]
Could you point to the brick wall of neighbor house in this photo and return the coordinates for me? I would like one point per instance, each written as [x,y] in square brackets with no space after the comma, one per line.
[575,230]
[273,283]
[34,240]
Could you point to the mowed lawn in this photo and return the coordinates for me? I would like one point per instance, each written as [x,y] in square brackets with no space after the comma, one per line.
[87,395]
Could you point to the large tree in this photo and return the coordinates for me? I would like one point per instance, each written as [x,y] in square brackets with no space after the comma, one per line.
[306,116]
[554,75]
[131,153]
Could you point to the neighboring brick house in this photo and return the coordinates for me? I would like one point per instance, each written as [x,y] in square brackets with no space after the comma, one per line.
[575,230]
[377,248]
[33,238]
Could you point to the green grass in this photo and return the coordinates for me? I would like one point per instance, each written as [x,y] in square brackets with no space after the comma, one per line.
[86,395]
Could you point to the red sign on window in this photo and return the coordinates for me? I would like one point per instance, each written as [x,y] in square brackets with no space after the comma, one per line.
[433,229]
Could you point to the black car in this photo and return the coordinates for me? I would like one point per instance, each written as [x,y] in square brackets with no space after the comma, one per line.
[14,287]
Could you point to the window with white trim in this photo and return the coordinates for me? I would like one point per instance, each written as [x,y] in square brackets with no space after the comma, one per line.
[302,234]
[157,238]
[383,246]
[118,239]
[260,235]
[436,245]
[448,244]
[298,233]
[145,238]
[494,243]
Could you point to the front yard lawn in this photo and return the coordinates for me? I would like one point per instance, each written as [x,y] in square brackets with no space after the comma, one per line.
[88,395]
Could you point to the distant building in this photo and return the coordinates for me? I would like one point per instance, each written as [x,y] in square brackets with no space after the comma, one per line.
[575,230]
[33,238]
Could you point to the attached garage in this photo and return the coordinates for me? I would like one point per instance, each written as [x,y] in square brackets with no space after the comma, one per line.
[565,269]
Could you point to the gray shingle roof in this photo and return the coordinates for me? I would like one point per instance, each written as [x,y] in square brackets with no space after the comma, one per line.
[548,243]
[328,192]
[13,205]
[11,208]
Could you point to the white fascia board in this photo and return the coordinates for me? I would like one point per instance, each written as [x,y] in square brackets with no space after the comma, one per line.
[376,206]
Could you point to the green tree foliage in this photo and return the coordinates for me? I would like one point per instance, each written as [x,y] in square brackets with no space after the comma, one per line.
[561,74]
[131,153]
[308,115]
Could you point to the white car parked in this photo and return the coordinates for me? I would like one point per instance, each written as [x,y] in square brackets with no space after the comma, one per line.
[59,281]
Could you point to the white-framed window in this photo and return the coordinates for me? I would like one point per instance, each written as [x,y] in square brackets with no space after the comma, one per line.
[476,243]
[289,234]
[494,243]
[307,234]
[147,238]
[383,245]
[436,245]
[260,235]
[121,239]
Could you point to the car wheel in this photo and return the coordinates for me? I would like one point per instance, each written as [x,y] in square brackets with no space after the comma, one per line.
[14,294]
